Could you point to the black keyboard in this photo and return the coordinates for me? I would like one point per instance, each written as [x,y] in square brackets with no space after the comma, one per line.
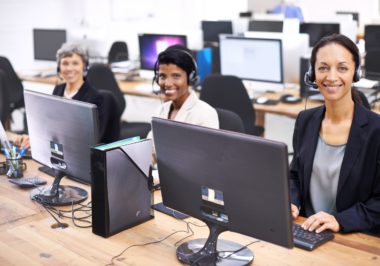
[28,182]
[309,240]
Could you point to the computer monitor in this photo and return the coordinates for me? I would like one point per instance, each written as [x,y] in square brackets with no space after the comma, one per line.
[212,29]
[152,44]
[258,60]
[294,46]
[266,25]
[47,42]
[229,180]
[372,37]
[318,30]
[61,133]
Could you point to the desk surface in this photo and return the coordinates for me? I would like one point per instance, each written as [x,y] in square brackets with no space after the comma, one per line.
[287,109]
[27,238]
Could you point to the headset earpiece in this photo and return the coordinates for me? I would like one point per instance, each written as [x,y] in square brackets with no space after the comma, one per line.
[309,78]
[358,70]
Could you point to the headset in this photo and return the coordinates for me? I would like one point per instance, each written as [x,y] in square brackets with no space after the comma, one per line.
[309,77]
[85,68]
[192,77]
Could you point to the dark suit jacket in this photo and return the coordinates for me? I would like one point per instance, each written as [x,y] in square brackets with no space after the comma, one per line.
[358,195]
[88,94]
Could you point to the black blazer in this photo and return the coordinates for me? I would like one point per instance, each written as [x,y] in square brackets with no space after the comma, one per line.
[358,195]
[88,94]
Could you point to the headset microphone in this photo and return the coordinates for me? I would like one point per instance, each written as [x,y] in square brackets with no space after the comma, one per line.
[312,85]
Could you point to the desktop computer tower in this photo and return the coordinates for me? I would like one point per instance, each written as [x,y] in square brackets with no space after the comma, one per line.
[304,89]
[121,186]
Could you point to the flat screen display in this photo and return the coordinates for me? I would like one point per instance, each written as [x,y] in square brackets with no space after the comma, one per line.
[152,44]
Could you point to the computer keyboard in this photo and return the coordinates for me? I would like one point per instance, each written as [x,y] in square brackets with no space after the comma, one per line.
[309,240]
[28,182]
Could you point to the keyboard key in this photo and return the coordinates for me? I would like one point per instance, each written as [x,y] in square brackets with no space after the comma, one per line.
[309,240]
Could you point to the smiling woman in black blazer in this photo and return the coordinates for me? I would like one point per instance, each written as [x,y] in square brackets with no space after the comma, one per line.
[335,172]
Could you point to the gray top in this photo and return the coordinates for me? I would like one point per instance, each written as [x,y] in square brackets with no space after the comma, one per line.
[324,177]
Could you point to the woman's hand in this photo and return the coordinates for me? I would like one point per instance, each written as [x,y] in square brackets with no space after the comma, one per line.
[22,141]
[321,221]
[295,211]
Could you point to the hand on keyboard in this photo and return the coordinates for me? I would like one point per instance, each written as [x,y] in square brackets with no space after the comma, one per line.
[309,240]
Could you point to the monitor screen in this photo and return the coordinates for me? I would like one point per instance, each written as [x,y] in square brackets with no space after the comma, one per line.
[318,30]
[256,59]
[61,133]
[372,37]
[47,42]
[266,25]
[212,29]
[231,181]
[152,44]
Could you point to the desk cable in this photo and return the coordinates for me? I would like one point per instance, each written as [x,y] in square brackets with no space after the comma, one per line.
[188,231]
[57,214]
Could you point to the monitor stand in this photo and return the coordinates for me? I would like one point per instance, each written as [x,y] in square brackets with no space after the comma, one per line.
[59,195]
[205,252]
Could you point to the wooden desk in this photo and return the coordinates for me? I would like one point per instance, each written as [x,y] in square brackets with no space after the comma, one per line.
[26,238]
[286,109]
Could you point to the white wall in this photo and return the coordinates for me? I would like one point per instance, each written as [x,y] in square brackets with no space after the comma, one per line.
[101,22]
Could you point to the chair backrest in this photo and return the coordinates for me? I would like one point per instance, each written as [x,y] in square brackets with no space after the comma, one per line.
[118,52]
[372,64]
[12,84]
[229,120]
[5,110]
[112,118]
[101,77]
[228,92]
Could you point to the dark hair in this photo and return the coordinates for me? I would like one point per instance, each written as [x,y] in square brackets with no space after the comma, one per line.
[337,39]
[346,43]
[177,55]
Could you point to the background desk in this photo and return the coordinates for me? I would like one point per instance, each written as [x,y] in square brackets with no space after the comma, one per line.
[26,238]
[285,109]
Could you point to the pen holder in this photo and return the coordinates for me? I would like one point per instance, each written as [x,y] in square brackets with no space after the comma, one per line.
[18,168]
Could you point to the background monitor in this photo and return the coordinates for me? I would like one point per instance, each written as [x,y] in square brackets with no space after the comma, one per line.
[254,59]
[318,30]
[61,133]
[152,44]
[47,42]
[372,37]
[266,25]
[231,181]
[212,29]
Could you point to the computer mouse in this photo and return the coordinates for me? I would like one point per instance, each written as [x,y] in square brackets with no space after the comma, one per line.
[261,100]
[289,98]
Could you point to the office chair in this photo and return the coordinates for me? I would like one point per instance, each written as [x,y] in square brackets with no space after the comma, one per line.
[118,52]
[13,84]
[101,77]
[5,111]
[14,87]
[229,120]
[111,130]
[228,92]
